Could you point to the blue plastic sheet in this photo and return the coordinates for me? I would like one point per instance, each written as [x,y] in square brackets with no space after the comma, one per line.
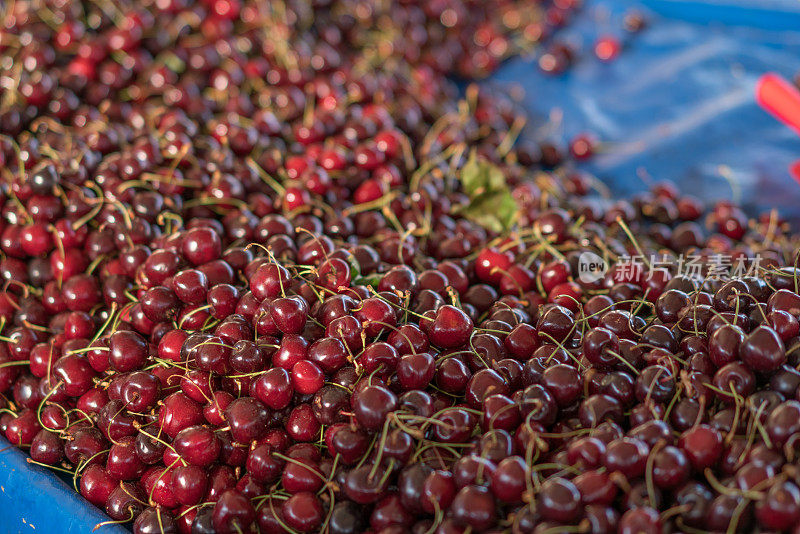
[34,500]
[678,102]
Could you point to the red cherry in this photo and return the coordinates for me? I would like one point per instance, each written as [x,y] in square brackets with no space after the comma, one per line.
[491,265]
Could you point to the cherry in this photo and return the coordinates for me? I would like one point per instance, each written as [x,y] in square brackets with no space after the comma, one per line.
[390,513]
[438,491]
[262,465]
[289,314]
[509,479]
[201,245]
[499,412]
[303,512]
[86,445]
[81,293]
[784,324]
[451,327]
[626,455]
[522,341]
[640,520]
[247,357]
[129,351]
[475,507]
[123,462]
[302,424]
[159,303]
[190,286]
[735,378]
[47,448]
[22,429]
[126,501]
[491,264]
[76,374]
[269,281]
[232,512]
[334,274]
[301,476]
[329,353]
[415,371]
[177,367]
[211,354]
[724,344]
[702,445]
[329,403]
[350,444]
[115,422]
[375,315]
[293,348]
[597,409]
[189,484]
[600,346]
[96,485]
[670,467]
[378,357]
[67,264]
[372,405]
[783,422]
[178,412]
[364,487]
[274,388]
[223,299]
[247,418]
[140,390]
[307,377]
[197,445]
[762,350]
[656,384]
[154,520]
[555,323]
[780,509]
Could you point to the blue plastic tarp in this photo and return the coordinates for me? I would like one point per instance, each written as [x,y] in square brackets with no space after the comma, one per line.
[34,500]
[678,102]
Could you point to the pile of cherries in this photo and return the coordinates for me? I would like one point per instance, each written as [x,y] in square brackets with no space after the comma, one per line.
[249,285]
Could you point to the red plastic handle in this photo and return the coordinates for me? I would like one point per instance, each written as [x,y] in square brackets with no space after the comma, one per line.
[794,170]
[780,98]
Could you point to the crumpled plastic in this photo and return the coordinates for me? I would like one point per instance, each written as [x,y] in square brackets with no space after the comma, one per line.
[677,103]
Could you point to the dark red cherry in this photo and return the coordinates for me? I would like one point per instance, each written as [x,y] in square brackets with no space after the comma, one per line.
[247,418]
[232,513]
[189,484]
[763,350]
[303,512]
[201,245]
[702,445]
[371,406]
[197,445]
[96,485]
[474,506]
[451,327]
[289,314]
[129,351]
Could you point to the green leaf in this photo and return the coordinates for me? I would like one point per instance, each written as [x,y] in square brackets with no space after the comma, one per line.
[355,267]
[496,212]
[479,176]
[368,280]
[491,203]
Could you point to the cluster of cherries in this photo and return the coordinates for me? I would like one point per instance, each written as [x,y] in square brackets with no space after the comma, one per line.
[249,286]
